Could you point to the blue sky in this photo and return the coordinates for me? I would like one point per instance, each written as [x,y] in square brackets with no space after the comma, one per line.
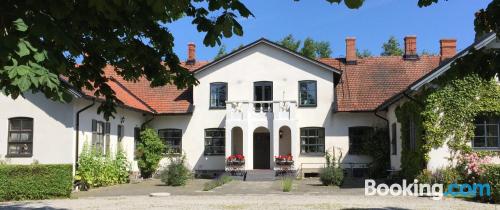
[371,25]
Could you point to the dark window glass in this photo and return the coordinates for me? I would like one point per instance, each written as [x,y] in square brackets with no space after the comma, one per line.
[312,140]
[357,137]
[215,140]
[486,134]
[137,137]
[172,138]
[120,132]
[20,139]
[394,144]
[100,136]
[218,95]
[307,93]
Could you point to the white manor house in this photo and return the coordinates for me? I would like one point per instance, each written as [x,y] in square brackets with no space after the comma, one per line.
[260,101]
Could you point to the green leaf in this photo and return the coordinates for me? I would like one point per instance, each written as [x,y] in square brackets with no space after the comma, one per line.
[20,25]
[22,70]
[23,83]
[39,56]
[22,49]
[353,4]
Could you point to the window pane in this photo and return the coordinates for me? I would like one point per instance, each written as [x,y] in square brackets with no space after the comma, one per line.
[27,124]
[15,124]
[492,142]
[478,142]
[479,131]
[491,130]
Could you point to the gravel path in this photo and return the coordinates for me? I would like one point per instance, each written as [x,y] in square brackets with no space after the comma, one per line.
[260,202]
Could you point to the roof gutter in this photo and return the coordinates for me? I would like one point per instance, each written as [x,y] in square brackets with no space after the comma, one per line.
[77,128]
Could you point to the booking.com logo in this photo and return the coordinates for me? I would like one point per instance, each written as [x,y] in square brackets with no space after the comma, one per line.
[419,189]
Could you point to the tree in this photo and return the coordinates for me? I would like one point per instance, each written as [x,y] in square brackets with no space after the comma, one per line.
[221,52]
[391,47]
[426,52]
[41,43]
[364,54]
[290,43]
[323,49]
[310,48]
[149,152]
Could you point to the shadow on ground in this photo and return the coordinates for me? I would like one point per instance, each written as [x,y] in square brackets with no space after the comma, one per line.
[24,207]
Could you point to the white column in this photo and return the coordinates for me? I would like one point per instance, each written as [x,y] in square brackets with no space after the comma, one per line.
[248,147]
[228,141]
[275,139]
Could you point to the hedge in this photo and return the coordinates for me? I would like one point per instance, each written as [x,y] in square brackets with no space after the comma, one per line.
[34,182]
[491,175]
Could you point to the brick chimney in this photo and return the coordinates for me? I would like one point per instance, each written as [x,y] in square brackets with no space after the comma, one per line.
[191,60]
[448,48]
[410,47]
[350,50]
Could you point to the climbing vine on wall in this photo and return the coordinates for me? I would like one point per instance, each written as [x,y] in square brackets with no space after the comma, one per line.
[413,157]
[450,110]
[444,112]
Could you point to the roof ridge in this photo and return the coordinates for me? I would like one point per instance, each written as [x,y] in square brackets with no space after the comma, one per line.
[132,94]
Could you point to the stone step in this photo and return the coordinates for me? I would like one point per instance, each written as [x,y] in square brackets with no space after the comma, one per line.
[260,175]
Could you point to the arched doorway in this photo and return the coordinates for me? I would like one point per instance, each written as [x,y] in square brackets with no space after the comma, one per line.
[237,141]
[285,142]
[261,148]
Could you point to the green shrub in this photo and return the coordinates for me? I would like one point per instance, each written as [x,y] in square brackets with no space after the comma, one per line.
[491,175]
[176,173]
[20,182]
[425,177]
[94,170]
[149,152]
[216,183]
[331,176]
[447,176]
[287,184]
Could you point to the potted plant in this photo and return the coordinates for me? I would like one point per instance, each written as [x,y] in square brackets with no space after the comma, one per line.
[284,159]
[235,160]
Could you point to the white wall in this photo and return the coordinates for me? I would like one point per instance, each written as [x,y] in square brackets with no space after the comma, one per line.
[391,116]
[132,119]
[265,63]
[339,136]
[53,132]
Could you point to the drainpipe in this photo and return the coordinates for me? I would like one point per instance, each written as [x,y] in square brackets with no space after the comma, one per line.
[147,121]
[78,131]
[413,99]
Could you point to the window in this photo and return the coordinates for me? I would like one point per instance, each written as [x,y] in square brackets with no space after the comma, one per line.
[312,140]
[100,136]
[357,138]
[215,140]
[20,140]
[394,144]
[218,95]
[137,137]
[412,138]
[486,134]
[307,93]
[120,132]
[172,138]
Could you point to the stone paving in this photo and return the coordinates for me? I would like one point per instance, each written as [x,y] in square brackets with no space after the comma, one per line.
[306,194]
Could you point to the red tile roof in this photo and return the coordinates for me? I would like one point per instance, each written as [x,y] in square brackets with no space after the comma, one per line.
[373,80]
[363,86]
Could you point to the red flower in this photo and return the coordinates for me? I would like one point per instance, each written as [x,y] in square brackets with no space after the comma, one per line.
[284,157]
[236,157]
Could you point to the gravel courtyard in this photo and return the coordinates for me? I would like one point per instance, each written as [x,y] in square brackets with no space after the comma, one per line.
[306,194]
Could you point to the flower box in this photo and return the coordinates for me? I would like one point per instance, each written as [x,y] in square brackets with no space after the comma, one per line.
[235,160]
[283,160]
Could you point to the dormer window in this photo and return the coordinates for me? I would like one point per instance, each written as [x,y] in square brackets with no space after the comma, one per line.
[218,95]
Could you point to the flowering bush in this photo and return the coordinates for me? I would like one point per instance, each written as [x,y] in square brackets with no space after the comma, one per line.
[471,163]
[236,157]
[288,157]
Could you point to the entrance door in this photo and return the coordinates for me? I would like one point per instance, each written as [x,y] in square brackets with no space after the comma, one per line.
[261,151]
[263,91]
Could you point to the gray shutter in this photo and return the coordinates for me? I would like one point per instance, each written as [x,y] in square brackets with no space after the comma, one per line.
[94,125]
[107,128]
